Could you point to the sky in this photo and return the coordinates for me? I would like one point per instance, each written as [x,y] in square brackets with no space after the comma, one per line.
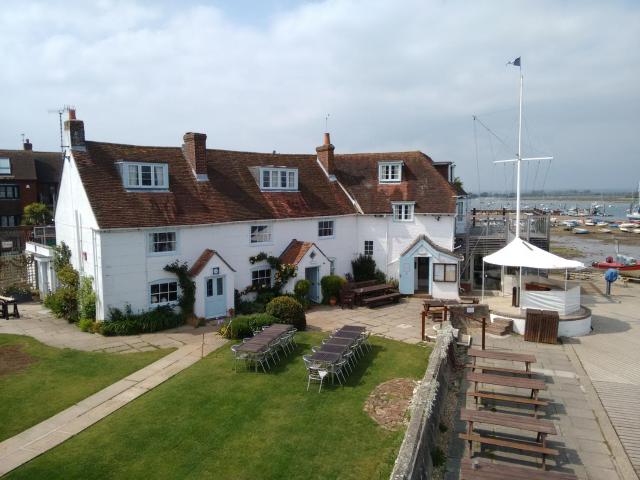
[379,75]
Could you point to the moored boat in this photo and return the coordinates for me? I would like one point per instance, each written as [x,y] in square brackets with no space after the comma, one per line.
[627,266]
[580,231]
[604,230]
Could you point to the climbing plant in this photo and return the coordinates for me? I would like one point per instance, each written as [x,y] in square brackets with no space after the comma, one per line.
[282,272]
[187,298]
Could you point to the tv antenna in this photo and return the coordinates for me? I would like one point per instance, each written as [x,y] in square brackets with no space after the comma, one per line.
[60,112]
[326,122]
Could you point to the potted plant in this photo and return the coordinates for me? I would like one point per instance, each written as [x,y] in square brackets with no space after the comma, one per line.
[333,301]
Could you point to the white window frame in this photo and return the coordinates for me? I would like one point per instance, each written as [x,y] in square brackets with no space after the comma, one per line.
[365,248]
[5,170]
[403,211]
[151,242]
[167,281]
[266,237]
[125,170]
[262,269]
[445,272]
[322,228]
[290,178]
[386,172]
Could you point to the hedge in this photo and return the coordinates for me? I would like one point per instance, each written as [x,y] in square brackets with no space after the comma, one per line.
[243,326]
[128,323]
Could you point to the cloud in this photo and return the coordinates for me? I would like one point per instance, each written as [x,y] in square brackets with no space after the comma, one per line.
[393,75]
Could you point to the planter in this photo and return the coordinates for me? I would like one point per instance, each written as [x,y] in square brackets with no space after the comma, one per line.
[333,301]
[21,297]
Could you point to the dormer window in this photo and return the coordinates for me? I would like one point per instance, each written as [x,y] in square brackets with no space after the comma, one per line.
[390,172]
[279,179]
[5,166]
[152,176]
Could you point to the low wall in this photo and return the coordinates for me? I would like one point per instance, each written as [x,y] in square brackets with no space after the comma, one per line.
[414,459]
[459,315]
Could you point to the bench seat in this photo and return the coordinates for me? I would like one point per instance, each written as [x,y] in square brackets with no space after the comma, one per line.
[532,447]
[386,298]
[485,470]
[516,371]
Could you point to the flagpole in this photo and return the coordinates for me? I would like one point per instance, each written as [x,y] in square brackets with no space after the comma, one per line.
[519,160]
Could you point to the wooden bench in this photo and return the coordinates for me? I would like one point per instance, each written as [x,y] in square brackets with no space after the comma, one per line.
[5,302]
[505,397]
[487,368]
[380,299]
[541,427]
[525,358]
[485,470]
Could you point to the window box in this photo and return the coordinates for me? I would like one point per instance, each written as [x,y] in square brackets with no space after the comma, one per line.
[445,272]
[403,211]
[325,228]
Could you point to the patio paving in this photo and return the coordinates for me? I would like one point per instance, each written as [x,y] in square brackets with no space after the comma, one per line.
[38,322]
[581,440]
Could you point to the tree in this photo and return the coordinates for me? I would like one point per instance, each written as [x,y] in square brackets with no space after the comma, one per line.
[37,214]
[457,182]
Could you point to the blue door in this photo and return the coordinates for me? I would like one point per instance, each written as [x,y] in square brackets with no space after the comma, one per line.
[215,302]
[312,274]
[407,275]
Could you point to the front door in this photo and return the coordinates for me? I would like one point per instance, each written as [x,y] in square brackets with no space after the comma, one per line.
[422,274]
[312,275]
[215,302]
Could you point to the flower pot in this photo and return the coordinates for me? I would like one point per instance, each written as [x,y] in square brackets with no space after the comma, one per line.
[333,301]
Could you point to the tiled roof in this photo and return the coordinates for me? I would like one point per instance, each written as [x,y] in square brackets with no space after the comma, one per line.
[421,182]
[26,165]
[231,194]
[295,252]
[202,261]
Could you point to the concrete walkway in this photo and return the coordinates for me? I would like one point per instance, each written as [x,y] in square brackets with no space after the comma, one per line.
[27,445]
[38,322]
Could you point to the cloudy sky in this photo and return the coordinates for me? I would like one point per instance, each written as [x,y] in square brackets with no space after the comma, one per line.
[392,75]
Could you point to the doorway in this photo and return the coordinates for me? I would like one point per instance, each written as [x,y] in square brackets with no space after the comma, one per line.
[312,275]
[421,268]
[215,302]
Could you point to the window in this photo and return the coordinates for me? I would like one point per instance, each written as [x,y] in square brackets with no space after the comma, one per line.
[9,220]
[332,265]
[403,212]
[279,178]
[145,175]
[368,247]
[445,272]
[460,211]
[261,278]
[163,293]
[325,228]
[9,192]
[5,166]
[390,172]
[260,233]
[162,242]
[219,287]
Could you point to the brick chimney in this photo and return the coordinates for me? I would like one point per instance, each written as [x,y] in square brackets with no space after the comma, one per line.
[325,155]
[195,151]
[74,129]
[27,145]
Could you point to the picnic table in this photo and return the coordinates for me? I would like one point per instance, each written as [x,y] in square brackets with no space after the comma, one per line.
[525,358]
[372,291]
[541,427]
[5,302]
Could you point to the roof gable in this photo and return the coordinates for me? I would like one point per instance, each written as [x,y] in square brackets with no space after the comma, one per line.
[296,251]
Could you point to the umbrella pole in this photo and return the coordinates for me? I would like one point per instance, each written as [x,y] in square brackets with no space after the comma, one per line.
[520,289]
[482,280]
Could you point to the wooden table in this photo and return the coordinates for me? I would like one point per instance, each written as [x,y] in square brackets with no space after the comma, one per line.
[532,384]
[525,358]
[541,427]
[4,307]
[360,292]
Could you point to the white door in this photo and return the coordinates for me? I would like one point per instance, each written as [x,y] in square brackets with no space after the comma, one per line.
[215,302]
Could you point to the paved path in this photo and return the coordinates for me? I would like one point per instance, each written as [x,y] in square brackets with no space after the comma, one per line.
[27,445]
[37,322]
[611,358]
[582,439]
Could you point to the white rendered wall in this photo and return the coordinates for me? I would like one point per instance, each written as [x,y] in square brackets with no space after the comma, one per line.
[200,280]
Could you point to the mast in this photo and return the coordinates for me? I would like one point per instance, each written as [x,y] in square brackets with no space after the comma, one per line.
[519,159]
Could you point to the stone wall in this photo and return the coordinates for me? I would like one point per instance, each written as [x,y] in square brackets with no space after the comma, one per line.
[459,315]
[414,459]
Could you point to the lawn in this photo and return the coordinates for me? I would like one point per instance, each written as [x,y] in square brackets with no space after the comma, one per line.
[209,422]
[38,381]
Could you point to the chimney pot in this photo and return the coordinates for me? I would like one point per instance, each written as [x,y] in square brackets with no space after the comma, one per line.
[75,128]
[327,139]
[195,152]
[27,145]
[72,114]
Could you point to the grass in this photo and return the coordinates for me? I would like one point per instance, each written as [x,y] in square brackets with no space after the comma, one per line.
[209,422]
[57,379]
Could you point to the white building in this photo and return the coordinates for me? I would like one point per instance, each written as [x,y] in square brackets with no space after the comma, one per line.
[127,211]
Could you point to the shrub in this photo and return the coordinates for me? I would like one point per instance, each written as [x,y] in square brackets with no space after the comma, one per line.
[125,322]
[301,289]
[331,285]
[364,268]
[244,325]
[247,308]
[380,277]
[288,310]
[37,214]
[86,299]
[86,325]
[63,303]
[61,256]
[265,297]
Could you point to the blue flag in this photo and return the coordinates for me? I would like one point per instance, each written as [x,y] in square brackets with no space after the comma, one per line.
[515,63]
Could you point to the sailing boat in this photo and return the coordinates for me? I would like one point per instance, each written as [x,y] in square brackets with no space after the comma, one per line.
[634,211]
